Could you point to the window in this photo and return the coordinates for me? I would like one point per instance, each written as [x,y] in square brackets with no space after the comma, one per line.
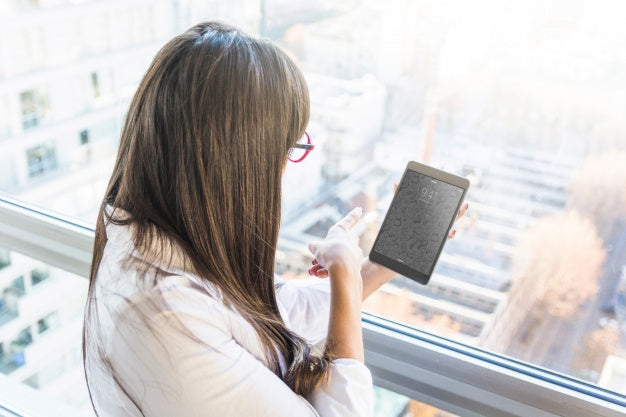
[95,85]
[48,322]
[100,86]
[34,104]
[478,97]
[8,306]
[17,286]
[84,137]
[5,258]
[24,338]
[39,274]
[520,97]
[13,356]
[41,160]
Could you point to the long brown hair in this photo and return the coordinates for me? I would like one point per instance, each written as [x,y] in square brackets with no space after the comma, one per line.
[200,162]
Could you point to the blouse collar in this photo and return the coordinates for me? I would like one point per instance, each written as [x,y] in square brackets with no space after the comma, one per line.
[163,253]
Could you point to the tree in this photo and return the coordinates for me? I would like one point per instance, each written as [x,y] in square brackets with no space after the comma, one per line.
[596,347]
[598,190]
[558,263]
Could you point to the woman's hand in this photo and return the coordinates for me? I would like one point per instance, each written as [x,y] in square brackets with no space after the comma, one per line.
[339,256]
[462,211]
[319,270]
[339,249]
[375,276]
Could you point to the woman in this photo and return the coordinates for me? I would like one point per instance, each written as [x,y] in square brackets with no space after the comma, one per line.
[184,314]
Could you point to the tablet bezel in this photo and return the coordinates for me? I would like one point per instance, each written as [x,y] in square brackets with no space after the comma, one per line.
[402,268]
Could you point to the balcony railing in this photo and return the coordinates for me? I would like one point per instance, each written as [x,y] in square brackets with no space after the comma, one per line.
[460,379]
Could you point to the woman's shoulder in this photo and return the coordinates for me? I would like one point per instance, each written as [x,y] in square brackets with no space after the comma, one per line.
[188,293]
[131,279]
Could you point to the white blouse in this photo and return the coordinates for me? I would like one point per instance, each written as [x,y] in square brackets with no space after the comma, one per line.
[177,350]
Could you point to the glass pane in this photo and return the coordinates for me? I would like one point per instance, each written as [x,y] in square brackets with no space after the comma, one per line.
[41,312]
[503,98]
[524,98]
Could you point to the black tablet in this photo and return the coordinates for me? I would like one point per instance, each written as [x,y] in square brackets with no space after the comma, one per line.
[418,221]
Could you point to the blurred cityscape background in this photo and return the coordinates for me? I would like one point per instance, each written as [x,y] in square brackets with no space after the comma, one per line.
[525,98]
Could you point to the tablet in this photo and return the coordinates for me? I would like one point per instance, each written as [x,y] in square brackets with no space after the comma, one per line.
[418,221]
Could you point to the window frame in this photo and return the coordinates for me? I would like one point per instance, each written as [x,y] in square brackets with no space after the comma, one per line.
[461,379]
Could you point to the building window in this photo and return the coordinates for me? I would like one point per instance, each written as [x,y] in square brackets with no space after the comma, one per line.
[5,258]
[17,286]
[95,85]
[24,338]
[39,274]
[41,159]
[8,306]
[35,106]
[48,322]
[84,137]
[12,357]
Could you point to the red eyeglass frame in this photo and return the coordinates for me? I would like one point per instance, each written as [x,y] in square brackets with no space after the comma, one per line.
[308,147]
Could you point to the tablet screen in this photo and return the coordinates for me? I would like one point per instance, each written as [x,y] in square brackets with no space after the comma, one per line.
[418,220]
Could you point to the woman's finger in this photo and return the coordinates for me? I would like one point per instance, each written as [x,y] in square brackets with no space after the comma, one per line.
[451,234]
[462,211]
[351,219]
[313,270]
[322,273]
[395,187]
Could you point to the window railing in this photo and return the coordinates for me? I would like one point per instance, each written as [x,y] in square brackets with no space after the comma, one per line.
[458,378]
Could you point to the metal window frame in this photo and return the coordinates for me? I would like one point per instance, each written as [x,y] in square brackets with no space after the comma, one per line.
[461,379]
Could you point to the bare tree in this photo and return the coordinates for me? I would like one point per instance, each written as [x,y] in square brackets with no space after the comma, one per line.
[598,190]
[558,262]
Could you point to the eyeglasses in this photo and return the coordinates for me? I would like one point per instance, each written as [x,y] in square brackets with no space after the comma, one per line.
[301,149]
